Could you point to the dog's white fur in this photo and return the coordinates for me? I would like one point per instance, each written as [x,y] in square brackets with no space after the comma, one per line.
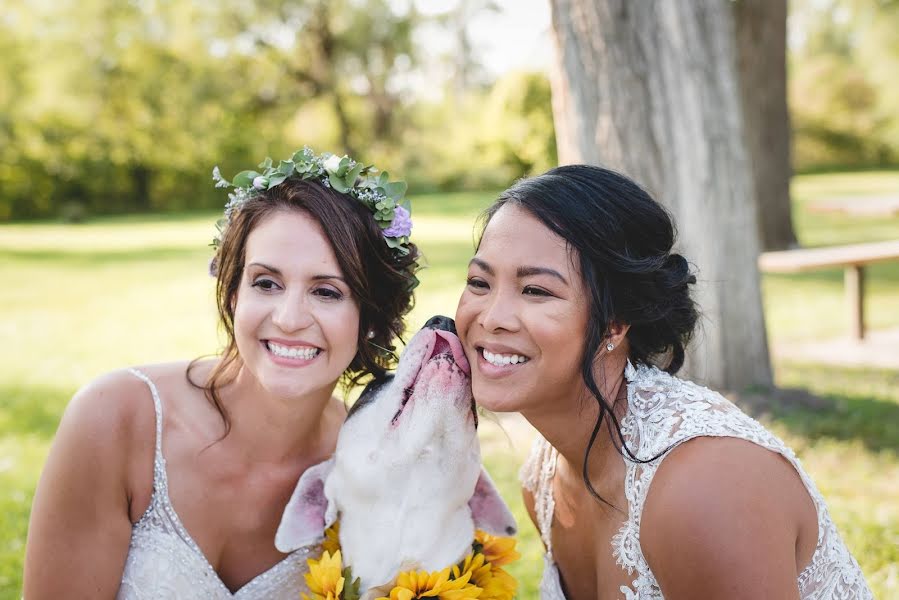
[405,480]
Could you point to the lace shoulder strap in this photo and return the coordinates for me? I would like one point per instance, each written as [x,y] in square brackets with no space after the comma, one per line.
[537,477]
[158,461]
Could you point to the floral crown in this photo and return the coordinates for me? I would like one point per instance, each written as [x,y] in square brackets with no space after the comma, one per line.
[372,188]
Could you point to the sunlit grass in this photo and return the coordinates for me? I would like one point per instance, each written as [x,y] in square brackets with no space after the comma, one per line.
[79,300]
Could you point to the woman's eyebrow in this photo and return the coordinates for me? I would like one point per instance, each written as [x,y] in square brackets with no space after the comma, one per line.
[480,263]
[530,271]
[275,271]
[266,267]
[521,272]
[322,277]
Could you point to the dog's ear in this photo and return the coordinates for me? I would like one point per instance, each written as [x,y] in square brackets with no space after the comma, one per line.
[307,513]
[488,509]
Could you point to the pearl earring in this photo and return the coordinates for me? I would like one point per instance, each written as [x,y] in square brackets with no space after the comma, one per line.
[610,346]
[370,335]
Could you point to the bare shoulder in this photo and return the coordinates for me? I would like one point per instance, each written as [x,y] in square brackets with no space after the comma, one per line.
[114,414]
[110,408]
[80,522]
[723,518]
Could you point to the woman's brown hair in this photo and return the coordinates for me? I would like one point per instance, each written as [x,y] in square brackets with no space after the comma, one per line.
[380,279]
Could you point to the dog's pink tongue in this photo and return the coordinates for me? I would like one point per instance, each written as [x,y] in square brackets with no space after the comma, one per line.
[448,343]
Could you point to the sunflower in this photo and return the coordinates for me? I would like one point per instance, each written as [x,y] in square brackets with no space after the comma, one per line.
[324,578]
[332,538]
[412,585]
[476,567]
[498,551]
[494,582]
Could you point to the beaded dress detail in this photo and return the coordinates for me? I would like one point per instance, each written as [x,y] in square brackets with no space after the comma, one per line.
[164,561]
[664,411]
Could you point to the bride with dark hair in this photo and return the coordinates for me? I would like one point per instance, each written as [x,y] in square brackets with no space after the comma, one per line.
[577,313]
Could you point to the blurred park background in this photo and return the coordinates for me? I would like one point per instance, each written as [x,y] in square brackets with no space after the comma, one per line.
[113,113]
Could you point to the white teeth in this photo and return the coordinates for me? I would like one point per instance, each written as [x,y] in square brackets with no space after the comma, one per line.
[503,359]
[304,352]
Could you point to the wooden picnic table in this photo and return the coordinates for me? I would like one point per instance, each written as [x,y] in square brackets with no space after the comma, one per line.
[851,258]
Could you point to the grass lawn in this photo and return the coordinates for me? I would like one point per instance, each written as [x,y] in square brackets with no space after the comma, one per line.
[77,301]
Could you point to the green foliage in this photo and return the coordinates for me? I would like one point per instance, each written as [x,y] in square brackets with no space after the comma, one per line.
[156,93]
[843,85]
[485,139]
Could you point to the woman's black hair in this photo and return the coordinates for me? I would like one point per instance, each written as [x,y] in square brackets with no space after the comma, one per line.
[622,239]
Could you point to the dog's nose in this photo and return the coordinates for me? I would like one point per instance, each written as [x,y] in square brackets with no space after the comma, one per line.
[442,323]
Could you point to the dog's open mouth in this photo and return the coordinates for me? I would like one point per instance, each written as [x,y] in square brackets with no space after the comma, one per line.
[445,346]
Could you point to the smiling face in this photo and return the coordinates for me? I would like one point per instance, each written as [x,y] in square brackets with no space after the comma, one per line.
[296,323]
[523,316]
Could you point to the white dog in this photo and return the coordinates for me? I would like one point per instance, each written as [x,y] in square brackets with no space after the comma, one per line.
[406,480]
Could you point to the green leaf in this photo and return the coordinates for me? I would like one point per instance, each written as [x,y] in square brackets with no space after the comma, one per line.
[353,174]
[396,190]
[398,244]
[350,590]
[244,179]
[383,179]
[344,165]
[285,167]
[267,163]
[276,179]
[337,183]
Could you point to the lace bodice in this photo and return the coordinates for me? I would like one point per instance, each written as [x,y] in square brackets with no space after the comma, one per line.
[664,411]
[165,562]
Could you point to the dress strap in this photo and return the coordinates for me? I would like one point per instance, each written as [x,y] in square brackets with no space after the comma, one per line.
[537,477]
[157,405]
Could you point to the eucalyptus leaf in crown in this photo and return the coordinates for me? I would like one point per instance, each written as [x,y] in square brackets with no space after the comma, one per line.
[384,198]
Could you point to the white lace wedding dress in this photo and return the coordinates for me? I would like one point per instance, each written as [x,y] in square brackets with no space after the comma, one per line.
[164,561]
[664,411]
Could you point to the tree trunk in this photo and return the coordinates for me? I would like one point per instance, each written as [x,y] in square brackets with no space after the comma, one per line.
[650,89]
[761,27]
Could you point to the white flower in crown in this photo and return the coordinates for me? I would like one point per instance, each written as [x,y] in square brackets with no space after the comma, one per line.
[332,163]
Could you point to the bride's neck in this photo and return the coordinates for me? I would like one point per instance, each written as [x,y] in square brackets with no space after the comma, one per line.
[568,425]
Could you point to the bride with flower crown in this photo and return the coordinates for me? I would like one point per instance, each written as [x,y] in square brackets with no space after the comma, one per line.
[169,480]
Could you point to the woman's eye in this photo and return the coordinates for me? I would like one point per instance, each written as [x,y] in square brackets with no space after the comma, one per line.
[478,284]
[328,293]
[535,291]
[264,284]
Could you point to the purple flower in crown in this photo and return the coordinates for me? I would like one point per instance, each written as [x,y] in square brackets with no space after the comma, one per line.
[401,226]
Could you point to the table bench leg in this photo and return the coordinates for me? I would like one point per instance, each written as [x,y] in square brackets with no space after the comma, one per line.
[854,280]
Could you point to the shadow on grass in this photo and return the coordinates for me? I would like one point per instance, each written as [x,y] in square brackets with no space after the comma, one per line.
[32,409]
[841,404]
